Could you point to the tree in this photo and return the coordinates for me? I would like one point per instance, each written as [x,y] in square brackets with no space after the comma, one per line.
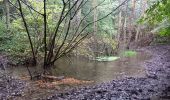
[56,18]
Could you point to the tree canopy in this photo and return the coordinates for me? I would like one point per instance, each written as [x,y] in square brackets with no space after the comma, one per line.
[159,16]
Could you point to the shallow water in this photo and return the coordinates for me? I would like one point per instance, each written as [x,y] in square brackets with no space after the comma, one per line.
[84,69]
[101,71]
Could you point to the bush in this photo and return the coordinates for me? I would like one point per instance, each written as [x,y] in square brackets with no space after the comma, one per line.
[12,42]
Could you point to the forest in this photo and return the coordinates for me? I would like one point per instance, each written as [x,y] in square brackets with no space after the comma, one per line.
[85,49]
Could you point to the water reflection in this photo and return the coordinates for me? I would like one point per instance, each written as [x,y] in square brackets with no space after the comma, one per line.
[84,69]
[100,71]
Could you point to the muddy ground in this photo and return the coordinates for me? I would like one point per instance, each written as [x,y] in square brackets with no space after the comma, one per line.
[155,86]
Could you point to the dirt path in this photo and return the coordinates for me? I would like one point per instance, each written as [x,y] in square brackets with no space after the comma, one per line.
[156,86]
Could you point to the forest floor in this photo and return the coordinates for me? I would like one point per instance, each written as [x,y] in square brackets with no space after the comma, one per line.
[155,86]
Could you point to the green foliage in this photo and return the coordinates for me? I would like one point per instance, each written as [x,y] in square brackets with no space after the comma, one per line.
[129,53]
[14,46]
[3,30]
[12,43]
[35,21]
[165,31]
[105,26]
[158,14]
[17,42]
[35,24]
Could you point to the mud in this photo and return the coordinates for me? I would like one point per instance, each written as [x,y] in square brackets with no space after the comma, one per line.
[155,86]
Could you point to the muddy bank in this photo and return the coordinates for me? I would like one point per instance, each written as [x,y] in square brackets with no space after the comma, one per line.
[156,84]
[10,87]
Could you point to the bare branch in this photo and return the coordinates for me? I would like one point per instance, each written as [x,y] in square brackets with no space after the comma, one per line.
[31,8]
[13,4]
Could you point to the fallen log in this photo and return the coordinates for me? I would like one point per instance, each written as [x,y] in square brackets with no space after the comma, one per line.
[49,78]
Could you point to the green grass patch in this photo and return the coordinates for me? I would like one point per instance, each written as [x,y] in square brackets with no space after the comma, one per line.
[129,53]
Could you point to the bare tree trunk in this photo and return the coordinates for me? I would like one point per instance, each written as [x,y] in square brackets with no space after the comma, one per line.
[7,14]
[138,26]
[119,25]
[119,22]
[131,20]
[137,33]
[77,18]
[134,7]
[143,6]
[124,33]
[45,36]
[95,17]
[76,14]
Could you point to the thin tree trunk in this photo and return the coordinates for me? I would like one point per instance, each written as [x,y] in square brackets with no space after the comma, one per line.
[143,6]
[134,7]
[137,33]
[28,33]
[7,14]
[119,27]
[77,18]
[45,35]
[95,17]
[124,32]
[132,18]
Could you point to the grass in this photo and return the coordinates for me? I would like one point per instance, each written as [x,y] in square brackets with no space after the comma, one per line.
[129,53]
